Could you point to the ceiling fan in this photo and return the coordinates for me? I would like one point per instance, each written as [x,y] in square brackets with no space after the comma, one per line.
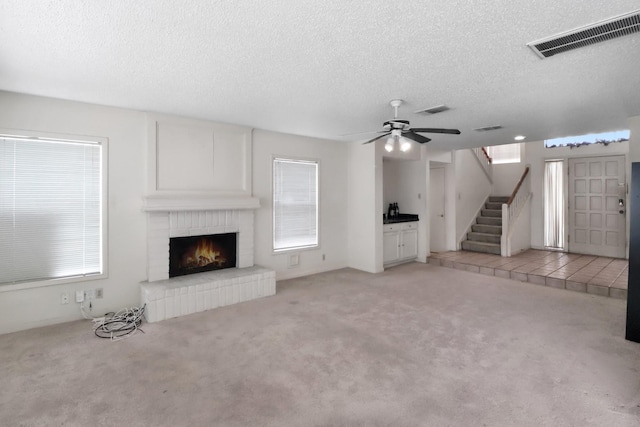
[397,130]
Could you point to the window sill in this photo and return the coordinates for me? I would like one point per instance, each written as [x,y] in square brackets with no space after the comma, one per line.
[296,249]
[50,282]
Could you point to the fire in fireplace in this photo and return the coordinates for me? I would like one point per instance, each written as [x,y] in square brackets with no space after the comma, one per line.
[196,254]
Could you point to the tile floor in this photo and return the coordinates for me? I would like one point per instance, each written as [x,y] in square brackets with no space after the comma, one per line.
[575,272]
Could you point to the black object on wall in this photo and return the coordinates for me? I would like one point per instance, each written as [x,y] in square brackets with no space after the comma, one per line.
[633,293]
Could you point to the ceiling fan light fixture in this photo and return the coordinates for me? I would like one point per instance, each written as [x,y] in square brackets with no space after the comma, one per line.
[389,144]
[402,134]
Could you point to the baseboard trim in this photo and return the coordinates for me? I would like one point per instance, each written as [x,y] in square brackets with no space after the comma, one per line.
[294,273]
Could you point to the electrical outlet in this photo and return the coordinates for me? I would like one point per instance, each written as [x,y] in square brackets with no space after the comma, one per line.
[323,257]
[294,260]
[89,294]
[64,298]
[99,293]
[79,296]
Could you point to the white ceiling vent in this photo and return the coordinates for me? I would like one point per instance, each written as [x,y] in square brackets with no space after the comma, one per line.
[433,110]
[488,128]
[611,28]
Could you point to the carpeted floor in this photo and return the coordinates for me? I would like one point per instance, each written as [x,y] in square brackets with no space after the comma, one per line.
[418,345]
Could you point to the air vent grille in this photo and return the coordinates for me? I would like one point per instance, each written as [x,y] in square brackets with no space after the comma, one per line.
[488,128]
[584,36]
[433,110]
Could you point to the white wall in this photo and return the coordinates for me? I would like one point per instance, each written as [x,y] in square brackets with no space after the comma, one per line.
[333,222]
[535,156]
[365,207]
[439,156]
[390,184]
[520,230]
[412,191]
[634,140]
[404,183]
[127,180]
[190,157]
[506,177]
[126,131]
[472,189]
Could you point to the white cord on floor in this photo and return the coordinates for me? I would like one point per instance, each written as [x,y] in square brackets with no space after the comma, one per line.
[117,326]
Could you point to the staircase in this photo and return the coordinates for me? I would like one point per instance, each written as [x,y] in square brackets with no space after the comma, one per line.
[486,232]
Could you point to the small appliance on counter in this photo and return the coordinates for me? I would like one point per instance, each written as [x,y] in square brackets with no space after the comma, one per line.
[393,215]
[393,210]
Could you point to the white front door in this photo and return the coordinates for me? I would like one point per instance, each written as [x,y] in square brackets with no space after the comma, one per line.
[437,226]
[597,206]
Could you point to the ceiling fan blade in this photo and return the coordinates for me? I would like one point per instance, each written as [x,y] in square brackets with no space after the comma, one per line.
[377,137]
[414,136]
[436,130]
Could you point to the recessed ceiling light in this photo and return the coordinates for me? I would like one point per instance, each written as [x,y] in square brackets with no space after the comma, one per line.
[519,137]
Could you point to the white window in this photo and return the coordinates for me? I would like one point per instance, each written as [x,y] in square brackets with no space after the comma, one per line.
[508,153]
[593,138]
[51,209]
[295,204]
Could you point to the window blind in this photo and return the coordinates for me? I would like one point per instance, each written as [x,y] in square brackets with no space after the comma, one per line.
[508,153]
[295,204]
[50,209]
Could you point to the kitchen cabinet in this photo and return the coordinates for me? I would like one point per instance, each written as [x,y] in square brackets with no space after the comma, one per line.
[400,242]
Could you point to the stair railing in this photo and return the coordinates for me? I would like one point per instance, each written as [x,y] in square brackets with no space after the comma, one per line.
[485,161]
[512,209]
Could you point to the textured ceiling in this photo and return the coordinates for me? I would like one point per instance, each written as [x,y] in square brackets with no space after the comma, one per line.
[328,68]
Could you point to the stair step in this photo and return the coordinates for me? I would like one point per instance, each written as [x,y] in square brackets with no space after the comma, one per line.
[484,237]
[489,220]
[491,212]
[498,199]
[487,248]
[493,205]
[483,228]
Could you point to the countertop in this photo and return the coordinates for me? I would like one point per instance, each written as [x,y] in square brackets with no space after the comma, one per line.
[400,218]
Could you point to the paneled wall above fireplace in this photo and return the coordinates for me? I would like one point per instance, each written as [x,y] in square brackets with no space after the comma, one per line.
[199,183]
[195,157]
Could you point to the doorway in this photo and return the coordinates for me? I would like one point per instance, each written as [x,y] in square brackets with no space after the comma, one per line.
[437,226]
[597,206]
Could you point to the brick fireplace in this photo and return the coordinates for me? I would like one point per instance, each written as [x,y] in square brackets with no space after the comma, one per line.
[163,225]
[182,217]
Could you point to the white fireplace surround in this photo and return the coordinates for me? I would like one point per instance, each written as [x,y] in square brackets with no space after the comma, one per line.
[169,217]
[199,183]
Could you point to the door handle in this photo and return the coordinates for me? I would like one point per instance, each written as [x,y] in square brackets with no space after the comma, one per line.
[441,215]
[621,211]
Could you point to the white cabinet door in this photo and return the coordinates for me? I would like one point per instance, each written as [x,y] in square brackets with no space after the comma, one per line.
[390,247]
[409,242]
[399,242]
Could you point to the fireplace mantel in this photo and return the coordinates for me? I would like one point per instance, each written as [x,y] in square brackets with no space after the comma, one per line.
[165,203]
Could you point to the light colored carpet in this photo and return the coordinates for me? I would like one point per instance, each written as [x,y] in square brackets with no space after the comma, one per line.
[417,345]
